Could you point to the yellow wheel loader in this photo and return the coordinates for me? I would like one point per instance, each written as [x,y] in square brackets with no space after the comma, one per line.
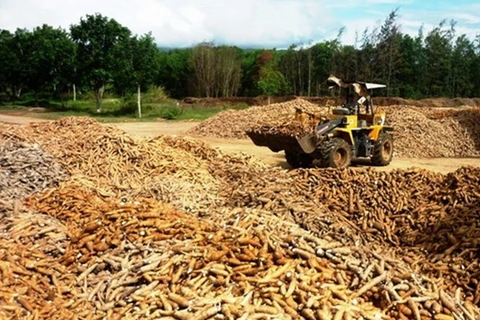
[352,131]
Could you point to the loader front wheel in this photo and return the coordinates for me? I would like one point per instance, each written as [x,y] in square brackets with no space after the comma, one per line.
[383,150]
[298,160]
[336,153]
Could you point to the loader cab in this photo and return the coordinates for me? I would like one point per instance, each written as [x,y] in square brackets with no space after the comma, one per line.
[350,107]
[358,103]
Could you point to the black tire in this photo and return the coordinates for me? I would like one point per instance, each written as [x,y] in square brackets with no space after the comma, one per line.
[298,160]
[335,153]
[383,150]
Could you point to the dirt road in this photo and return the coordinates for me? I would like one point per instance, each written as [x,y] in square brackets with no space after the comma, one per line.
[151,129]
[12,118]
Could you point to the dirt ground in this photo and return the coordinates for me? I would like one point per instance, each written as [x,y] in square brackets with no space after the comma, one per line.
[151,129]
[13,118]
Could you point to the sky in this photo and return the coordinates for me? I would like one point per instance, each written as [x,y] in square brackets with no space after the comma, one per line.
[245,23]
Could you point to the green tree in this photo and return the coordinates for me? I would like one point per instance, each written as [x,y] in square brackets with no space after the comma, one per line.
[271,82]
[175,72]
[7,57]
[97,38]
[463,60]
[298,66]
[409,72]
[250,71]
[418,74]
[475,70]
[17,55]
[122,80]
[345,62]
[144,64]
[388,51]
[366,61]
[288,67]
[322,55]
[438,52]
[50,60]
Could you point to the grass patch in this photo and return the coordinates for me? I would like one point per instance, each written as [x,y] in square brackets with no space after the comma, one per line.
[202,112]
[155,105]
[121,110]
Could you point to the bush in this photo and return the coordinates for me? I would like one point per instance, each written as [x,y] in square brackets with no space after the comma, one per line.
[166,110]
[129,108]
[171,112]
[154,95]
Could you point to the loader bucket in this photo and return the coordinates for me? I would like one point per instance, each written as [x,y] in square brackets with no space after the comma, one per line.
[278,142]
[308,143]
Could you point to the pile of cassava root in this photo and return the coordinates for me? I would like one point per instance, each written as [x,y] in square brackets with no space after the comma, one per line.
[168,228]
[234,123]
[434,133]
[25,169]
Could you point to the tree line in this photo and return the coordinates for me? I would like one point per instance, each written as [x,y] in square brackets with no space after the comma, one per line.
[99,54]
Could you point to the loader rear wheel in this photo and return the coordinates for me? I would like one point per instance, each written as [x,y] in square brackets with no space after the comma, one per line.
[298,160]
[383,150]
[336,153]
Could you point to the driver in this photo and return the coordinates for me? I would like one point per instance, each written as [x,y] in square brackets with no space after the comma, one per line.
[351,104]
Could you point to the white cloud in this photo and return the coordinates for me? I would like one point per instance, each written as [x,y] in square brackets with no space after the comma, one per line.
[355,28]
[466,17]
[362,4]
[183,22]
[262,23]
